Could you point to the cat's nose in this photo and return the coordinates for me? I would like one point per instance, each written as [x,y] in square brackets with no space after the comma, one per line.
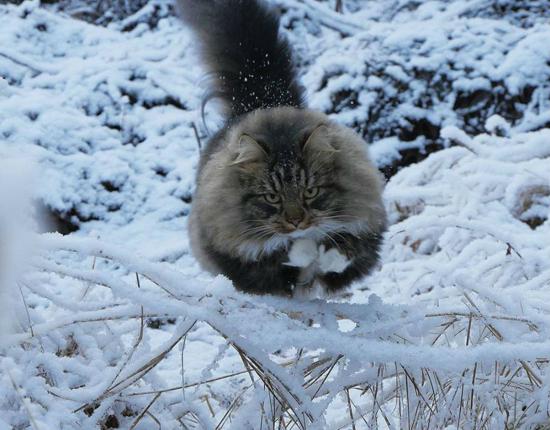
[294,216]
[295,221]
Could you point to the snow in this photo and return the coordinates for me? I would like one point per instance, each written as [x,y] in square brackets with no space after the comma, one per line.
[116,323]
[16,225]
[497,125]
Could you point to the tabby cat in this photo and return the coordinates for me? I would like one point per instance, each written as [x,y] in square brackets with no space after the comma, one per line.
[286,198]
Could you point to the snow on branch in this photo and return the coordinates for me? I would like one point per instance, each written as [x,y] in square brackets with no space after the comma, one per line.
[297,357]
[450,332]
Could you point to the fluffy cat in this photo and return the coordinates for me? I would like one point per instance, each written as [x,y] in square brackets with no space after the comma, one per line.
[285,197]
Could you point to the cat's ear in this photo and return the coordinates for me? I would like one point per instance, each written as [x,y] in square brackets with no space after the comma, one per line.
[248,151]
[319,141]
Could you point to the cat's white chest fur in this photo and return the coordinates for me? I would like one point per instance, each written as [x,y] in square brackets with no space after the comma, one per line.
[313,259]
[303,253]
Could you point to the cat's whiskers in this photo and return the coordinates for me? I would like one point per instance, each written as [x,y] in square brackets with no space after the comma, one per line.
[346,240]
[342,218]
[328,236]
[343,213]
[256,232]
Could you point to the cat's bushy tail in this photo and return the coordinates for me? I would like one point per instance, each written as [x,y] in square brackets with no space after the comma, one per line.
[250,63]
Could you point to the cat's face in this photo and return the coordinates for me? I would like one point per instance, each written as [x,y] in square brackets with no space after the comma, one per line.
[284,195]
[285,173]
[291,183]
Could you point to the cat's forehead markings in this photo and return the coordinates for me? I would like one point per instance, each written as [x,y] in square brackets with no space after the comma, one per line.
[303,177]
[275,181]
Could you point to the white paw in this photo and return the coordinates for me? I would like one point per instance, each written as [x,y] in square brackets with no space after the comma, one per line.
[332,260]
[303,253]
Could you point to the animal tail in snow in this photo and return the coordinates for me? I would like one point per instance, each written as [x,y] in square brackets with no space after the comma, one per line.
[250,63]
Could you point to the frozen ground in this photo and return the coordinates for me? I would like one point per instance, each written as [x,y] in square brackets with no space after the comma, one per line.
[450,332]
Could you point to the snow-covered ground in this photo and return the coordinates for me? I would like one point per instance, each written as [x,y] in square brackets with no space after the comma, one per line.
[105,326]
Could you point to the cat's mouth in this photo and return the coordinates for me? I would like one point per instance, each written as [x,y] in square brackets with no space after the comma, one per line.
[296,227]
[308,232]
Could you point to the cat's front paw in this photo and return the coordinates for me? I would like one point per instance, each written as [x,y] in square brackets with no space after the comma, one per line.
[332,260]
[303,253]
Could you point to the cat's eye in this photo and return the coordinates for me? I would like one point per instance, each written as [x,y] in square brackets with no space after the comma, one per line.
[272,198]
[311,192]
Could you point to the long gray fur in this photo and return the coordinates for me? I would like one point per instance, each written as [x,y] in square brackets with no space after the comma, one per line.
[251,205]
[250,64]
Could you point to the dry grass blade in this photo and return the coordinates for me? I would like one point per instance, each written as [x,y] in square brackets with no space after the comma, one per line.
[194,384]
[326,373]
[26,310]
[417,389]
[89,284]
[23,400]
[144,412]
[350,410]
[155,419]
[141,371]
[197,137]
[233,406]
[136,343]
[533,326]
[535,379]
[245,363]
[490,326]
[314,378]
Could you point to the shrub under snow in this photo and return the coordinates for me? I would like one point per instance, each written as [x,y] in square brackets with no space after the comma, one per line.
[117,327]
